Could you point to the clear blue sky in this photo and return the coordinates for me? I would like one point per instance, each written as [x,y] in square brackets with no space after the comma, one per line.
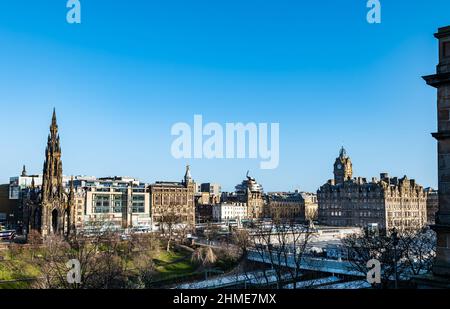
[122,78]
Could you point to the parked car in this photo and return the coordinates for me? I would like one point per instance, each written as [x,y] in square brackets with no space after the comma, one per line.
[7,235]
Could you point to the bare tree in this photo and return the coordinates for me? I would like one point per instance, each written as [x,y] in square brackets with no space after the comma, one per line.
[169,220]
[146,247]
[282,245]
[241,238]
[410,252]
[101,263]
[35,242]
[419,248]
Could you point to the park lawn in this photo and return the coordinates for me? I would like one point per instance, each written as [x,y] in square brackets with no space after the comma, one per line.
[17,270]
[173,264]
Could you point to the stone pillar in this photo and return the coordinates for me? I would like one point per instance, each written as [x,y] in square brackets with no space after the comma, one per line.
[441,81]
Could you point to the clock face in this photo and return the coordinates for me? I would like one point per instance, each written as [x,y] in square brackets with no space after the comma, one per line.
[339,166]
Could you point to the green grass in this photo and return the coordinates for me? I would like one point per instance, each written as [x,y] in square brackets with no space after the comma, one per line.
[174,264]
[17,270]
[169,257]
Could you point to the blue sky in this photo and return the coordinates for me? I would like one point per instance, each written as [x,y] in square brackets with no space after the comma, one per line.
[132,69]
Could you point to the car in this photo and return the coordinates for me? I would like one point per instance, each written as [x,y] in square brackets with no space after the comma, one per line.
[125,237]
[7,235]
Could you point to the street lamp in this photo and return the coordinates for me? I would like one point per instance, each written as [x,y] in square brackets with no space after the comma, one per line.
[395,243]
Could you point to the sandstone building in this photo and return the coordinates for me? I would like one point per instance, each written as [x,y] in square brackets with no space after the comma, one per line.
[441,81]
[311,206]
[250,193]
[385,203]
[286,206]
[432,205]
[173,201]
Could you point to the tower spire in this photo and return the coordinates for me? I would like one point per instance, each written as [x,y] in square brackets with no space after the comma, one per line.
[187,175]
[52,178]
[54,126]
[342,167]
[24,172]
[343,153]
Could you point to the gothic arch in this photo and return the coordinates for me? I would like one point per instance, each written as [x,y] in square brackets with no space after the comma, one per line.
[55,221]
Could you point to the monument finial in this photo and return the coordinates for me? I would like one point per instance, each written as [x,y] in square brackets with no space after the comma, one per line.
[343,153]
[187,175]
[24,172]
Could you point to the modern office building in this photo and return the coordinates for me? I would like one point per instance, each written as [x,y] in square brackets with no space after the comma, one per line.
[123,202]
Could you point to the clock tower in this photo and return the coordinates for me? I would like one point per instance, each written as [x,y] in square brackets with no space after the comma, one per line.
[342,167]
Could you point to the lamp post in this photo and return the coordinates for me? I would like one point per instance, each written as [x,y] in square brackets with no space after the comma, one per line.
[395,243]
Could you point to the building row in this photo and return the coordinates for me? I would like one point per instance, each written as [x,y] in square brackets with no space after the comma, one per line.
[54,204]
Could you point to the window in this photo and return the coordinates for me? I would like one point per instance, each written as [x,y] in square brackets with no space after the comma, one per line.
[119,202]
[138,204]
[101,203]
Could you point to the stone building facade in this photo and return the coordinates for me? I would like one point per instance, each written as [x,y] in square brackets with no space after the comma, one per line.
[251,193]
[441,81]
[311,206]
[432,205]
[174,201]
[385,203]
[286,206]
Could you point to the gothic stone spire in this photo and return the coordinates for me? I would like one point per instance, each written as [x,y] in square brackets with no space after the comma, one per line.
[52,180]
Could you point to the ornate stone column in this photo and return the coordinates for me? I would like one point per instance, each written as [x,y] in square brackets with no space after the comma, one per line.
[441,81]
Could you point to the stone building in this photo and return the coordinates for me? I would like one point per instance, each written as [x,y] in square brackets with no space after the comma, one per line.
[174,201]
[432,205]
[311,206]
[286,206]
[48,209]
[251,193]
[385,203]
[203,212]
[213,191]
[441,81]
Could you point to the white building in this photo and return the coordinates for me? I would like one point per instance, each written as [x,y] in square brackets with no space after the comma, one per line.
[225,212]
[123,202]
[18,183]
